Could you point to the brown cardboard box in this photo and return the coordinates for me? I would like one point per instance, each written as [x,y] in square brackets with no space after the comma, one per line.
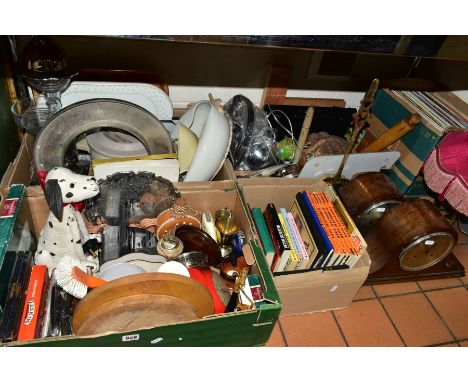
[310,291]
[246,328]
[20,170]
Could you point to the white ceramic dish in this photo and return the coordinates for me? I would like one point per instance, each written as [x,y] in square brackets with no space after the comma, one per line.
[327,165]
[133,258]
[214,138]
[119,270]
[114,144]
[174,267]
[147,96]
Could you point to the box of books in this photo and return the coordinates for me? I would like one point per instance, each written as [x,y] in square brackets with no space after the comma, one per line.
[314,251]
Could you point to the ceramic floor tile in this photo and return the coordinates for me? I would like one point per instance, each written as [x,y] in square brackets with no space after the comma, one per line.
[364,292]
[464,343]
[395,288]
[416,320]
[440,283]
[461,252]
[276,338]
[452,305]
[315,329]
[365,323]
[454,345]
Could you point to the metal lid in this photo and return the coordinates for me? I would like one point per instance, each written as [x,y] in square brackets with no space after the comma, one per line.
[193,259]
[426,251]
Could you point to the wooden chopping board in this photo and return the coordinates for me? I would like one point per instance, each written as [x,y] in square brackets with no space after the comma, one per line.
[141,301]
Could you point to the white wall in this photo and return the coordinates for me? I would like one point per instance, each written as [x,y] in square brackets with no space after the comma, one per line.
[183,95]
[463,94]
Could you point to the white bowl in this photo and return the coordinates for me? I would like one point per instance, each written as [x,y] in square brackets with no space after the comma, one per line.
[174,267]
[214,138]
[114,144]
[117,271]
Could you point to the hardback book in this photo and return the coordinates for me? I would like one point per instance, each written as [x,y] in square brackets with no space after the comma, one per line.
[264,233]
[305,233]
[345,250]
[323,243]
[271,230]
[18,285]
[293,260]
[302,251]
[289,222]
[278,236]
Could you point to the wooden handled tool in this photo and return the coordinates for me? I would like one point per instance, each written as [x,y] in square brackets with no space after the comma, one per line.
[304,133]
[393,134]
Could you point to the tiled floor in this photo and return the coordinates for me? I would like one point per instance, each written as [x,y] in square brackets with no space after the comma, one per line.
[423,313]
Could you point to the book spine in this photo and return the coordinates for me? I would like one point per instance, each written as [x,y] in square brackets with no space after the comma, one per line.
[333,225]
[293,257]
[264,234]
[325,249]
[300,243]
[292,237]
[280,237]
[305,233]
[277,256]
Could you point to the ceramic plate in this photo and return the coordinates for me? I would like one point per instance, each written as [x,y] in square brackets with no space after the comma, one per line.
[195,239]
[147,96]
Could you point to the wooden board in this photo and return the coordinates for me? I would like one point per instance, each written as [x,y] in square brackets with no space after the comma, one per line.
[392,273]
[276,88]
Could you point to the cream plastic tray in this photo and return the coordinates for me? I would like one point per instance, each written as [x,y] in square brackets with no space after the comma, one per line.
[147,96]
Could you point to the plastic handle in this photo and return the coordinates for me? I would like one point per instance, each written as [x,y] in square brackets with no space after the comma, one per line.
[88,280]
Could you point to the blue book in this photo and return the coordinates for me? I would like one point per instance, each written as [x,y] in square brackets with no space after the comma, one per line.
[323,242]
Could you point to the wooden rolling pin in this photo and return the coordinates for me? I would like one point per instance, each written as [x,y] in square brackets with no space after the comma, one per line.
[393,134]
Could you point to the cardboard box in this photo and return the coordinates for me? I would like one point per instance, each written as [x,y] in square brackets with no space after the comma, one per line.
[310,291]
[21,171]
[414,147]
[247,328]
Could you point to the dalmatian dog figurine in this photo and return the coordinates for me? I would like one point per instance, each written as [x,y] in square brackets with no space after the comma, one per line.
[64,232]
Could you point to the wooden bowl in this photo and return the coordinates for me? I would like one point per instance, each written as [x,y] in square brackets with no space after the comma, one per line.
[141,301]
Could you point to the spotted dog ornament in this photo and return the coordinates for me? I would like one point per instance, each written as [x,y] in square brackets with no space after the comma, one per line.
[64,232]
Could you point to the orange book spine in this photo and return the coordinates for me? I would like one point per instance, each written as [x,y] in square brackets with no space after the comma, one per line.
[332,223]
[31,319]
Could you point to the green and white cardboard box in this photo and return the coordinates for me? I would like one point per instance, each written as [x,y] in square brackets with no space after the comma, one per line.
[246,328]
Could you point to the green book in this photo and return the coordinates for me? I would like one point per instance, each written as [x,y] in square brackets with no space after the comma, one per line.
[264,234]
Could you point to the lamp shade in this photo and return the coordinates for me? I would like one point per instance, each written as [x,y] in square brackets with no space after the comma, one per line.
[446,170]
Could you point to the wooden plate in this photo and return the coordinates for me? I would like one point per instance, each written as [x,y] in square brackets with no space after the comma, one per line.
[197,240]
[139,301]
